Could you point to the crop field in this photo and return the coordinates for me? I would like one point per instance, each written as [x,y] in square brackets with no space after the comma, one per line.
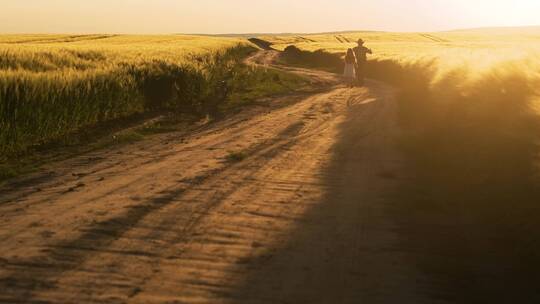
[478,48]
[51,85]
[53,51]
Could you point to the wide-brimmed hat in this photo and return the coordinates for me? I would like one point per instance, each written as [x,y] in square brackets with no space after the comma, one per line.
[360,41]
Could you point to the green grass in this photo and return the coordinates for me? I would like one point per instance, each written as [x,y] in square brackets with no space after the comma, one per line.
[7,172]
[255,83]
[235,157]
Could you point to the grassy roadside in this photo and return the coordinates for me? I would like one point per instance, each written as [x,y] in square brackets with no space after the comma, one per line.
[225,86]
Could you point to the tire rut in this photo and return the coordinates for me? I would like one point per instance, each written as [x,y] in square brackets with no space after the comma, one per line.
[183,223]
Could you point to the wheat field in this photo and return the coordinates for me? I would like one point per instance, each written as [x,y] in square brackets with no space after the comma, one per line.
[51,52]
[481,48]
[51,85]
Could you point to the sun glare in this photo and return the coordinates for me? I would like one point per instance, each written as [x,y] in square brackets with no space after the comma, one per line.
[242,16]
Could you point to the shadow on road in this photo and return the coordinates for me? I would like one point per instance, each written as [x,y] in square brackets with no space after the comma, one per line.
[344,249]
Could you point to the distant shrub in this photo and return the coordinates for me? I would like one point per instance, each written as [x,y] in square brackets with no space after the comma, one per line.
[265,45]
[319,59]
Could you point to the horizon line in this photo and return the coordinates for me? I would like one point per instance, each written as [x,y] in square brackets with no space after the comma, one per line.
[273,33]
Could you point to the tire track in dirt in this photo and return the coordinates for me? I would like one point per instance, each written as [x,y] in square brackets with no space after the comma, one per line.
[102,233]
[299,219]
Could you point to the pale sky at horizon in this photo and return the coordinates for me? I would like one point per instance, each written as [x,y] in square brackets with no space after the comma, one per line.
[251,16]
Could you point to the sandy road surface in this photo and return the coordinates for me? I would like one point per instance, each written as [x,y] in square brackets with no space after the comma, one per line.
[172,219]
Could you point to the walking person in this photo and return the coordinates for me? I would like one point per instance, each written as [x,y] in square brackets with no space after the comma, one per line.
[350,68]
[361,60]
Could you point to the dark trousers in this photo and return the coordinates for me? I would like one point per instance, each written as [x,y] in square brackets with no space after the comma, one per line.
[360,73]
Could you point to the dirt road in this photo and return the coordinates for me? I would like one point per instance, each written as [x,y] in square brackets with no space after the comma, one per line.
[279,204]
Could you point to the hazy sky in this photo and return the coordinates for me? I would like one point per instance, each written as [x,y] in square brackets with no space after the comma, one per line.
[248,16]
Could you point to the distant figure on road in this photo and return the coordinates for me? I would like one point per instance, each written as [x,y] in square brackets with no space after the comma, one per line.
[361,59]
[350,67]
